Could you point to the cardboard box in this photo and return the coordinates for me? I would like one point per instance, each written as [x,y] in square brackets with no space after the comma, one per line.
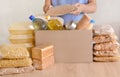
[69,45]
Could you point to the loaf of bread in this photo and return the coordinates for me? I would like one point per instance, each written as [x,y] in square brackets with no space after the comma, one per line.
[4,63]
[10,51]
[42,51]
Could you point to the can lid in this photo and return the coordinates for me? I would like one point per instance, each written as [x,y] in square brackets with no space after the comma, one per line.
[32,17]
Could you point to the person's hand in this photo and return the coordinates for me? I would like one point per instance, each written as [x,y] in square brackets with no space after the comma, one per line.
[78,8]
[46,8]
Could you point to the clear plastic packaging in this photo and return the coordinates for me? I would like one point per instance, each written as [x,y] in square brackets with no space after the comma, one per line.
[103,30]
[9,63]
[11,71]
[107,59]
[104,38]
[106,46]
[106,53]
[20,39]
[21,28]
[10,51]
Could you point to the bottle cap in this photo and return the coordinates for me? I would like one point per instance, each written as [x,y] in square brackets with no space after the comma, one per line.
[31,17]
[92,21]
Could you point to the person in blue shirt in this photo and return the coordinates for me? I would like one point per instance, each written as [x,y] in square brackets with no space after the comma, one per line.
[83,6]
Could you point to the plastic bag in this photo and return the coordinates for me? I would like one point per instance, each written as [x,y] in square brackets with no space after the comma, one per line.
[103,30]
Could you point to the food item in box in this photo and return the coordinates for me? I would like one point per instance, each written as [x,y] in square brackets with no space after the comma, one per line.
[15,63]
[8,71]
[42,51]
[10,51]
[55,24]
[106,53]
[84,22]
[60,10]
[20,39]
[38,23]
[20,28]
[61,20]
[70,26]
[106,46]
[103,30]
[107,59]
[43,63]
[104,38]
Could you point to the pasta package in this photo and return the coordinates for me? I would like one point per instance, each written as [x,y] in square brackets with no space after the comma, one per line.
[11,71]
[21,28]
[20,39]
[7,63]
[11,51]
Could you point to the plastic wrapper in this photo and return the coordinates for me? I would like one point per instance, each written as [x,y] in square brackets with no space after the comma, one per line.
[20,28]
[10,71]
[15,63]
[107,59]
[42,51]
[20,39]
[103,30]
[104,38]
[106,46]
[29,46]
[44,63]
[106,53]
[10,51]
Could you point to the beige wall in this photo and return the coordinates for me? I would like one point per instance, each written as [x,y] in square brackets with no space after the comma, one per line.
[19,10]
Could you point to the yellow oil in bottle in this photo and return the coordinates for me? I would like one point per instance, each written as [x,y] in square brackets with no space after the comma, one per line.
[55,24]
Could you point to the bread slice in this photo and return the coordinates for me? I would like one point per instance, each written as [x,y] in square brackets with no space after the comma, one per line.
[10,51]
[15,63]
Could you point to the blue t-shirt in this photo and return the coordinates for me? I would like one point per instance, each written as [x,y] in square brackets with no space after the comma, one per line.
[69,17]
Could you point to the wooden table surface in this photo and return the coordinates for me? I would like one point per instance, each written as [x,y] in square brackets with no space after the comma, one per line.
[110,69]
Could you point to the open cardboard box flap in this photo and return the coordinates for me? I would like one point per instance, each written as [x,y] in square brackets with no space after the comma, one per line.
[69,45]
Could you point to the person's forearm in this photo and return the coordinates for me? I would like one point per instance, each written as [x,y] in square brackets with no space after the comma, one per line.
[48,2]
[90,7]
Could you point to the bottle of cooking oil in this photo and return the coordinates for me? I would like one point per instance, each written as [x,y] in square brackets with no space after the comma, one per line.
[38,23]
[54,23]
